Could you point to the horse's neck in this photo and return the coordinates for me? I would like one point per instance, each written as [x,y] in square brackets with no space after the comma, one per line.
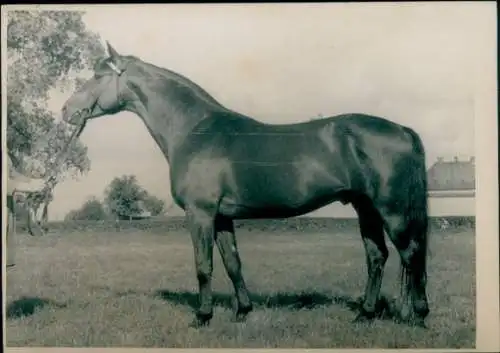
[170,107]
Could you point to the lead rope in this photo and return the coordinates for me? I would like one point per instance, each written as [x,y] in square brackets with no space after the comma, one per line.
[44,197]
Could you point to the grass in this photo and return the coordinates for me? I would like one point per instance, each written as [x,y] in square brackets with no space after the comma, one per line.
[138,289]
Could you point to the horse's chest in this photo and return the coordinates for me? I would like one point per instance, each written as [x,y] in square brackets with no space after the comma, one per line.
[200,177]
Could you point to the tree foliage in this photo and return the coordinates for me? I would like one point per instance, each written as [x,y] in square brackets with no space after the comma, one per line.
[154,205]
[91,210]
[124,196]
[46,50]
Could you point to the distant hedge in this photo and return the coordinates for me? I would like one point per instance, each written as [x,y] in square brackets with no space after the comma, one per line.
[265,225]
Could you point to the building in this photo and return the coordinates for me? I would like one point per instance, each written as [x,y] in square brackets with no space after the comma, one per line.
[452,188]
[452,178]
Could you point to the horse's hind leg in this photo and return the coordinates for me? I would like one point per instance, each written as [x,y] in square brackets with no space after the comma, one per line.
[226,242]
[408,240]
[372,233]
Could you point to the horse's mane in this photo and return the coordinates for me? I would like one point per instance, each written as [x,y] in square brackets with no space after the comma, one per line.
[180,79]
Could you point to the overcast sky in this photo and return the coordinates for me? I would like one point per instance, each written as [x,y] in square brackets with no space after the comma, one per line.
[413,64]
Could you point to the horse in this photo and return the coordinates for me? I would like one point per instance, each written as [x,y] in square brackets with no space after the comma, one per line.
[226,166]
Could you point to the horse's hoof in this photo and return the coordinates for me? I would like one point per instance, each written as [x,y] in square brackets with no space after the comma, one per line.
[197,323]
[201,320]
[240,317]
[410,319]
[242,314]
[417,322]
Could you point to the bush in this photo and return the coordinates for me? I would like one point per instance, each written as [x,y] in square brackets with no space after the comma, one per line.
[299,224]
[91,210]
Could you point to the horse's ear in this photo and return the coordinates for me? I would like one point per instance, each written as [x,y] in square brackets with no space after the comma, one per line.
[112,52]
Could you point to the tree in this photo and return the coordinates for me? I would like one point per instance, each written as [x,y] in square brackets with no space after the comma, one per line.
[123,195]
[91,210]
[46,50]
[154,205]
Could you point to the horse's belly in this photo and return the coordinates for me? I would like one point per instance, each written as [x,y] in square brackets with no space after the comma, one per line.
[279,193]
[246,209]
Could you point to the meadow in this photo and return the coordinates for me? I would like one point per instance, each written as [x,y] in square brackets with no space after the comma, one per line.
[135,286]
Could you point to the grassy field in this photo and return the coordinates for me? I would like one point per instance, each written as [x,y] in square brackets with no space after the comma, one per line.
[138,289]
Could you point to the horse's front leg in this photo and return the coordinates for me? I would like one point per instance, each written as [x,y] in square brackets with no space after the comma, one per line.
[201,226]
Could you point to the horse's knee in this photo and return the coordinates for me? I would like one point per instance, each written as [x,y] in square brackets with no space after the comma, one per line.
[232,262]
[204,275]
[204,266]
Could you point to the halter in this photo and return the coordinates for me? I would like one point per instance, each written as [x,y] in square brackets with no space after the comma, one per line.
[118,72]
[114,68]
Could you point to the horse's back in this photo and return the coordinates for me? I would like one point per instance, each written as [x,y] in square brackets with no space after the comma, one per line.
[289,169]
[245,138]
[344,143]
[234,123]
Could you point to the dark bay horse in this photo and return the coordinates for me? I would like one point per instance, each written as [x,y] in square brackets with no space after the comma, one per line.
[226,166]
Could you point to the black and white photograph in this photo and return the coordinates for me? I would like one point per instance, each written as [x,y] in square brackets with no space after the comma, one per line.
[250,175]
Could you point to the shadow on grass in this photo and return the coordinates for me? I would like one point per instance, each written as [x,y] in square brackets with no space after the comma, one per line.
[386,308]
[26,306]
[277,300]
[291,301]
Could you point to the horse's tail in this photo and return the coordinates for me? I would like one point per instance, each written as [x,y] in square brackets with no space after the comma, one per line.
[416,211]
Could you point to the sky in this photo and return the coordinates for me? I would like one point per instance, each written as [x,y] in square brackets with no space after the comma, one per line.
[414,64]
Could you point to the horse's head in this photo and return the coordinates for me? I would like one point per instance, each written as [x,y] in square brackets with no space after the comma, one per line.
[100,95]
